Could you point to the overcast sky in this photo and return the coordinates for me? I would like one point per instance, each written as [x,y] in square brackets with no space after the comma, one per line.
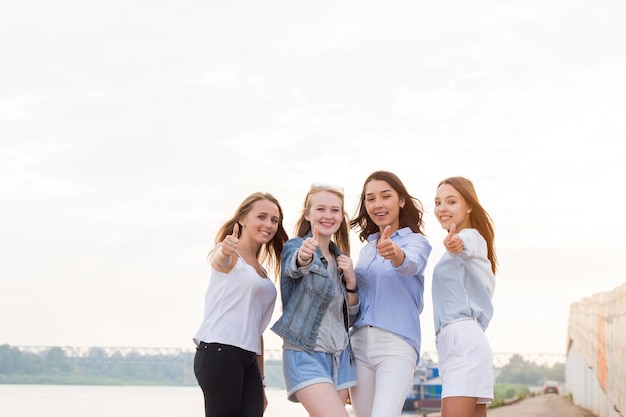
[130,131]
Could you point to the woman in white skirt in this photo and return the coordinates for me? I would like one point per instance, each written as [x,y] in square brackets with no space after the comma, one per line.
[462,287]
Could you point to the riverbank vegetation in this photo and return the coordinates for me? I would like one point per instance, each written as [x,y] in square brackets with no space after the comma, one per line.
[103,367]
[53,366]
[514,380]
[521,371]
[98,366]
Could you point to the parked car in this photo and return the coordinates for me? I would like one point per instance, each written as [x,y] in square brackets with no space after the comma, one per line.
[551,386]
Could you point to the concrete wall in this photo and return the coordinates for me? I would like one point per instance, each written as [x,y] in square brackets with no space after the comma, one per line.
[595,371]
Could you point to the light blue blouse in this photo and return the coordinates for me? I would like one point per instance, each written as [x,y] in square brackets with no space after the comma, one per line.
[463,283]
[392,298]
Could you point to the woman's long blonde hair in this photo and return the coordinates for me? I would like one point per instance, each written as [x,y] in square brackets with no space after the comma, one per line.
[303,226]
[269,253]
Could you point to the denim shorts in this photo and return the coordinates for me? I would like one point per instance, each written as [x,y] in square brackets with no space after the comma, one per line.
[302,369]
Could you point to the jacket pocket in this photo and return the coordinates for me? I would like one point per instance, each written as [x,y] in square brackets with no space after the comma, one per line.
[315,283]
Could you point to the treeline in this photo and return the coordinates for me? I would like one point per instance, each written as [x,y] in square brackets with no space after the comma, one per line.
[97,368]
[520,371]
[53,366]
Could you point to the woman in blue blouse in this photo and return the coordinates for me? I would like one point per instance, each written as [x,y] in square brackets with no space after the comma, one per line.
[386,336]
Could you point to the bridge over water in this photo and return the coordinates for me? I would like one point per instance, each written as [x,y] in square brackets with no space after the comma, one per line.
[129,354]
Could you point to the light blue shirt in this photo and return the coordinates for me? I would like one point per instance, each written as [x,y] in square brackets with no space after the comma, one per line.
[463,283]
[392,298]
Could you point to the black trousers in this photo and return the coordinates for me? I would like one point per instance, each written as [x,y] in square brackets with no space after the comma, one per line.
[230,380]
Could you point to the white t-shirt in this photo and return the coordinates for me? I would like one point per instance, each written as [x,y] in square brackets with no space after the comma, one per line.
[238,307]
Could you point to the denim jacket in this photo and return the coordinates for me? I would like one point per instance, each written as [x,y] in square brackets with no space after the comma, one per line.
[306,292]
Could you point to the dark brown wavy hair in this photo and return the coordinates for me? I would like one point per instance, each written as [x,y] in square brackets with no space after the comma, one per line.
[411,215]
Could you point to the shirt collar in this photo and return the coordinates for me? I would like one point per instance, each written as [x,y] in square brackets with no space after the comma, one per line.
[400,232]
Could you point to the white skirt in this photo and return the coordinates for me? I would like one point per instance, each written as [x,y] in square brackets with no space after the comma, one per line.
[465,361]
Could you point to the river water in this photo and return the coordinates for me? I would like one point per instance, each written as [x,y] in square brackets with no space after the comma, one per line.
[124,401]
[120,401]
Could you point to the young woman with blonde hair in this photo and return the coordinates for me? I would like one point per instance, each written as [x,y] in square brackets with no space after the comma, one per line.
[319,300]
[239,303]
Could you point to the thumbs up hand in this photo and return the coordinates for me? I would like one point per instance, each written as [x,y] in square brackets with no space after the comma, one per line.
[223,259]
[308,248]
[386,248]
[230,242]
[453,241]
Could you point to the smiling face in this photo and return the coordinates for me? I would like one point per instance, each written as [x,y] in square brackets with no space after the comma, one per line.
[261,223]
[451,207]
[383,204]
[325,211]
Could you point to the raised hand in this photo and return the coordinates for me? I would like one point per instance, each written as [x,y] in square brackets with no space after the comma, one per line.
[453,241]
[345,265]
[385,246]
[230,242]
[309,246]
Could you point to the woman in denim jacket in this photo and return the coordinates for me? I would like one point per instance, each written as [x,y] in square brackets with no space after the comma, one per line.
[319,296]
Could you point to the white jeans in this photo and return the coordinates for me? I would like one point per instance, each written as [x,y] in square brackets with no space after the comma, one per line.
[385,365]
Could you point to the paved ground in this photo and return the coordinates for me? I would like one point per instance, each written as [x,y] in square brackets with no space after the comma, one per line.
[550,405]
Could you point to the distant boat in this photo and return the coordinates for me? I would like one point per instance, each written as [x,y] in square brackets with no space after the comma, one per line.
[425,393]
